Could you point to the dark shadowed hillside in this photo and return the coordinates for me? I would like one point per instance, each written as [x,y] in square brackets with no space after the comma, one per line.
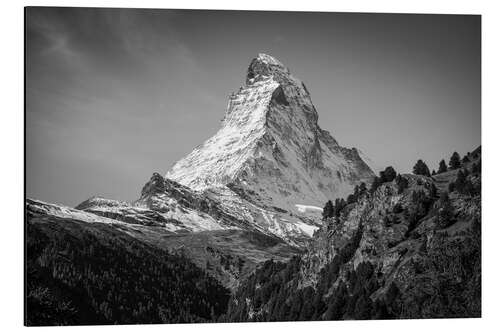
[83,274]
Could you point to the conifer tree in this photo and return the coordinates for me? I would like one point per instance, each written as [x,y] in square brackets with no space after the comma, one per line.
[421,168]
[442,167]
[328,210]
[362,188]
[445,212]
[351,198]
[455,161]
[375,184]
[476,167]
[388,174]
[402,183]
[460,181]
[339,206]
[356,191]
[433,191]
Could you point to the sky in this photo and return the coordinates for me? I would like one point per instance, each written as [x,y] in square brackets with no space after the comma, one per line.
[113,95]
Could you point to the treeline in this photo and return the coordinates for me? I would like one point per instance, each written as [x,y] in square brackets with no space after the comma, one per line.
[341,206]
[81,274]
[466,183]
[456,162]
[462,184]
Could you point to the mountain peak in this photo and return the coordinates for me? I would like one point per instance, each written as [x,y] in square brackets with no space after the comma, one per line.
[270,148]
[268,59]
[264,66]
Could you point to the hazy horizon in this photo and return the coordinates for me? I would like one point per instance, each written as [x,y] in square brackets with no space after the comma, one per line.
[113,95]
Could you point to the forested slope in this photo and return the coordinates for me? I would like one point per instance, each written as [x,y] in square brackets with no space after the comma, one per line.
[91,273]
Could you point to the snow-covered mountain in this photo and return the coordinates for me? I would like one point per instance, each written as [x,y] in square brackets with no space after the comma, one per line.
[268,170]
[270,149]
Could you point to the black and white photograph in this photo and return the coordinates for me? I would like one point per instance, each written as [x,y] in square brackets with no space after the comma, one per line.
[227,166]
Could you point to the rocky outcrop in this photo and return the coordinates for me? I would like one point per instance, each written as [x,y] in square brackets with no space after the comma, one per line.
[163,203]
[165,195]
[388,255]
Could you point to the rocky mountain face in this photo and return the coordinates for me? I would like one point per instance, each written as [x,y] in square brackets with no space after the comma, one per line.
[270,150]
[405,250]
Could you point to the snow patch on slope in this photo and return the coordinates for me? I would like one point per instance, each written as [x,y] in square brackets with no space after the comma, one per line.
[193,220]
[40,207]
[308,208]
